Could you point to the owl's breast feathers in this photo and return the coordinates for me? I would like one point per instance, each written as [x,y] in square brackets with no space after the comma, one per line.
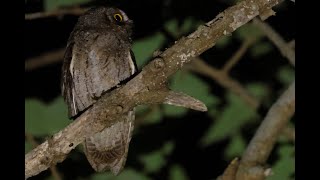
[94,63]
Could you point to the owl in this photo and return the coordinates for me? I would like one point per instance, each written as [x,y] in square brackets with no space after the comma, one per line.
[98,57]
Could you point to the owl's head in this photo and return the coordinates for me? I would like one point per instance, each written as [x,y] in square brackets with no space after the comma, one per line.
[109,18]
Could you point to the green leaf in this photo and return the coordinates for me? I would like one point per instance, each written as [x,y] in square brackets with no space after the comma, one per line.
[260,48]
[286,75]
[222,42]
[105,176]
[174,111]
[230,121]
[172,27]
[124,175]
[193,86]
[42,119]
[190,24]
[144,48]
[167,148]
[56,4]
[141,109]
[249,31]
[284,168]
[154,116]
[235,147]
[258,90]
[177,173]
[27,147]
[155,160]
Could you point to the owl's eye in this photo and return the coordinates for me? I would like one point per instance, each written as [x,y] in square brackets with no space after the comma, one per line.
[118,17]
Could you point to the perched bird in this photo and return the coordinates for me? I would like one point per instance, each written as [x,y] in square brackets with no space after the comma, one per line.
[98,57]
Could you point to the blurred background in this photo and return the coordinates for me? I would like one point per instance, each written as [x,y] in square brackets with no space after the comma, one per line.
[238,80]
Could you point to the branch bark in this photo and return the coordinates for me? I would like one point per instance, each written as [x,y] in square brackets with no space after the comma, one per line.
[53,169]
[144,88]
[259,149]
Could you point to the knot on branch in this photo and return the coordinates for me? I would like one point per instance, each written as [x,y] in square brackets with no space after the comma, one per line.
[158,64]
[253,173]
[118,109]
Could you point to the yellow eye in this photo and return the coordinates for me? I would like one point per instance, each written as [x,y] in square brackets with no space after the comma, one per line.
[118,17]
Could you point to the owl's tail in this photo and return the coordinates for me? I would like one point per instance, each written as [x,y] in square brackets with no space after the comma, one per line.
[108,149]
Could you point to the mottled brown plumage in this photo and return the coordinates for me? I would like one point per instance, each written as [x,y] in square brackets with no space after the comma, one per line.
[98,57]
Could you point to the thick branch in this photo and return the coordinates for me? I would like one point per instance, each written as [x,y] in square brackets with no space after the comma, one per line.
[142,89]
[267,134]
[53,169]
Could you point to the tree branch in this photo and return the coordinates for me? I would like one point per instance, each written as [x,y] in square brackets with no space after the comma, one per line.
[231,170]
[262,143]
[44,59]
[238,55]
[277,40]
[144,88]
[201,67]
[59,12]
[53,169]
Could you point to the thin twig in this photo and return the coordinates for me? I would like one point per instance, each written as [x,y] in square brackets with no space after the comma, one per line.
[231,170]
[201,67]
[144,88]
[59,12]
[277,40]
[53,169]
[238,55]
[266,136]
[44,59]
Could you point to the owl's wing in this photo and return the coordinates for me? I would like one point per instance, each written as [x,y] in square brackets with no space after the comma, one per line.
[66,79]
[133,59]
